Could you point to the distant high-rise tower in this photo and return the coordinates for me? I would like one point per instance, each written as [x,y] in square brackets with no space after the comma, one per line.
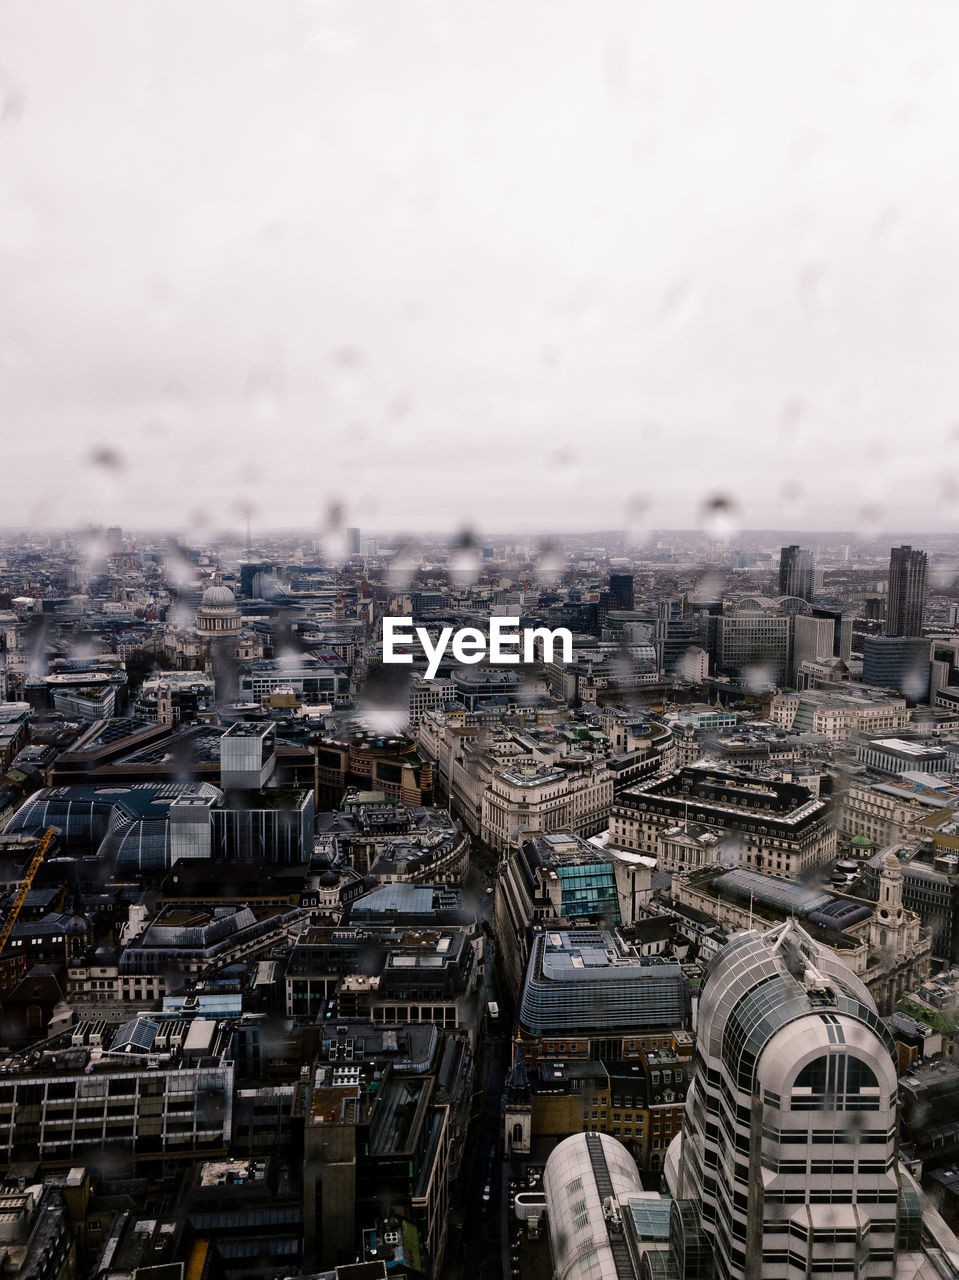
[621,591]
[352,542]
[795,572]
[907,592]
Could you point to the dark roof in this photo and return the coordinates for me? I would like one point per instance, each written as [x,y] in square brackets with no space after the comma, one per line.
[39,985]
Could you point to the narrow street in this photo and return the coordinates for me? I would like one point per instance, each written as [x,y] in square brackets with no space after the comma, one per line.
[475,1251]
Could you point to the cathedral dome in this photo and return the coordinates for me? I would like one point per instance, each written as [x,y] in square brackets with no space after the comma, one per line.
[218,597]
[218,614]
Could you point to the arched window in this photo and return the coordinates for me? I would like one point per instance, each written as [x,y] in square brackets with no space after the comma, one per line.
[835,1082]
[517,1132]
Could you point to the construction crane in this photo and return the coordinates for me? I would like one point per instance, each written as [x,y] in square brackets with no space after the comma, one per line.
[25,884]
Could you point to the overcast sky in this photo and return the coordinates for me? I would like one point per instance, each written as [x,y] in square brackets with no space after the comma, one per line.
[513,265]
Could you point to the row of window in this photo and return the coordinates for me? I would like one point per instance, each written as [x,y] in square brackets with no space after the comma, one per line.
[832,1267]
[822,1167]
[828,1137]
[830,1195]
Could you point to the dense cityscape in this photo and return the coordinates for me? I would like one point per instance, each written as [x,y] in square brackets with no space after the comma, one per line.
[638,960]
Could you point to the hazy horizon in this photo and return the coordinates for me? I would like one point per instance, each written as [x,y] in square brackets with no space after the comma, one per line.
[477,537]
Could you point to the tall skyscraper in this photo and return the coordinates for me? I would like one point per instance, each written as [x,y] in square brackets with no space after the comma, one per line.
[795,572]
[621,591]
[787,1162]
[907,592]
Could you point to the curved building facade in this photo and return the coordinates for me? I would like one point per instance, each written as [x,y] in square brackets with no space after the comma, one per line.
[581,1174]
[587,982]
[789,1146]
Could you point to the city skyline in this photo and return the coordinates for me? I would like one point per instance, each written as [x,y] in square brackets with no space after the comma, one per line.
[299,866]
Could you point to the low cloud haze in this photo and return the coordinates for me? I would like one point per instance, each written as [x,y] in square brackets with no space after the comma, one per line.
[537,266]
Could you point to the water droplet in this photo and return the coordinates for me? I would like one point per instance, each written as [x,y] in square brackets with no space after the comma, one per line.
[398,407]
[791,414]
[548,563]
[399,572]
[809,283]
[887,228]
[707,589]
[761,677]
[464,563]
[719,515]
[676,305]
[868,520]
[12,98]
[103,455]
[264,394]
[638,519]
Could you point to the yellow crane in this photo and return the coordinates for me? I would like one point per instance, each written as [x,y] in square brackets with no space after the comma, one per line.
[25,884]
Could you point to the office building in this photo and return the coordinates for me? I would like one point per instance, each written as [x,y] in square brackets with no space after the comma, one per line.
[796,573]
[752,640]
[907,592]
[897,662]
[839,714]
[160,1089]
[777,827]
[572,796]
[387,972]
[247,755]
[787,1160]
[944,672]
[621,591]
[377,1129]
[821,635]
[560,877]
[905,755]
[389,765]
[37,1241]
[314,680]
[588,995]
[148,826]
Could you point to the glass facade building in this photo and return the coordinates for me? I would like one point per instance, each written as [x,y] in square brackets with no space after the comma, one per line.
[589,889]
[584,980]
[787,1162]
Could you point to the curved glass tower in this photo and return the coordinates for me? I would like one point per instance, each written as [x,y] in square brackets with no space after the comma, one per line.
[788,1155]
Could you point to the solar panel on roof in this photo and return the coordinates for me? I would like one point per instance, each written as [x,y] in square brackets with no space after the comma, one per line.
[138,1033]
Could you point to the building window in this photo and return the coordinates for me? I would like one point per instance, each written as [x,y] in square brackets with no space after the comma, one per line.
[835,1082]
